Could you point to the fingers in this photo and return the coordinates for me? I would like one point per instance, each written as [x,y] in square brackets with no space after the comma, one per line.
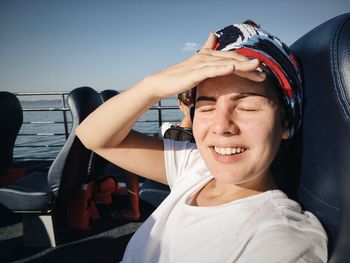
[243,66]
[252,75]
[211,41]
[249,65]
[240,66]
[222,70]
[209,45]
[242,69]
[223,54]
[250,70]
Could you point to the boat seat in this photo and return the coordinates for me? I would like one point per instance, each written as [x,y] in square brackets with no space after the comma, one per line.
[108,93]
[42,198]
[11,116]
[320,154]
[153,193]
[101,168]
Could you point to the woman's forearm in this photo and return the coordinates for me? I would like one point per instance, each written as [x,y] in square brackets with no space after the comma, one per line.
[109,125]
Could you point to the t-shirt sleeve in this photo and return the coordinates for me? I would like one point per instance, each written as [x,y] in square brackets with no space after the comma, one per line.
[285,245]
[176,156]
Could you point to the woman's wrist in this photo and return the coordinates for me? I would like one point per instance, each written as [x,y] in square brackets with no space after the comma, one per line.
[151,85]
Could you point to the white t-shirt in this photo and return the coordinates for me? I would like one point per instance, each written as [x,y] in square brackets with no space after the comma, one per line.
[267,227]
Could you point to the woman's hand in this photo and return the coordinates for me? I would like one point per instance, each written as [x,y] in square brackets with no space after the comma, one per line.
[207,63]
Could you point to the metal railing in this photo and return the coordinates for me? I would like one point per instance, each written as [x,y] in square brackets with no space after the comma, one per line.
[63,98]
[49,141]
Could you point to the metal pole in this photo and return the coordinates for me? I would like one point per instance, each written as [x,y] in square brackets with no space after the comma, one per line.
[65,117]
[160,113]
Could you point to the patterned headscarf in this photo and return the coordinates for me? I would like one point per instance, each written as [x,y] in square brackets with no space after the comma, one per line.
[276,60]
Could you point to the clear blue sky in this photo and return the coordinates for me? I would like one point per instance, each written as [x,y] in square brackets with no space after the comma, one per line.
[48,45]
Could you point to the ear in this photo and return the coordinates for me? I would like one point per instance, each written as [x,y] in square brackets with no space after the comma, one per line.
[285,130]
[285,134]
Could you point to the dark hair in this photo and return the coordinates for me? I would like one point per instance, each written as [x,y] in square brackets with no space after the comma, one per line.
[184,97]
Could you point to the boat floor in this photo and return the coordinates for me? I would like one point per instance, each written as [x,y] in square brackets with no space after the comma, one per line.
[105,242]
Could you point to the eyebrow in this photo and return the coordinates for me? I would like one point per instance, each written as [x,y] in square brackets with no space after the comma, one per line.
[236,97]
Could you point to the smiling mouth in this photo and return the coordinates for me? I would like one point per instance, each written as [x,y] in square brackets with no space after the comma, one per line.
[229,150]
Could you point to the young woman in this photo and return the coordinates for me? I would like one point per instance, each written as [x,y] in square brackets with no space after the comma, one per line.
[183,99]
[224,205]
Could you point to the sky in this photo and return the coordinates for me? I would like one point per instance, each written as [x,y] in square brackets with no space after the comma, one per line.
[59,45]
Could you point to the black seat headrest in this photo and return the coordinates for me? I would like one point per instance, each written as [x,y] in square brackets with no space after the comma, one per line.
[108,93]
[71,163]
[97,163]
[11,117]
[82,101]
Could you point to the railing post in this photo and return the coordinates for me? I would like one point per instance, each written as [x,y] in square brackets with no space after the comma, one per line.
[160,113]
[65,117]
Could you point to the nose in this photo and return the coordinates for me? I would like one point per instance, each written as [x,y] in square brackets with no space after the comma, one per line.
[224,123]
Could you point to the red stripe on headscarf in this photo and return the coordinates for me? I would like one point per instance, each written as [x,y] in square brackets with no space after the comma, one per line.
[272,65]
[216,46]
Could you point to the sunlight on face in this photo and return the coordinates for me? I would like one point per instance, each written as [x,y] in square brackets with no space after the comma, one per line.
[238,128]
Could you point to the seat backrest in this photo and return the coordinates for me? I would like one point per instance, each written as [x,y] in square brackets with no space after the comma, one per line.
[321,154]
[11,117]
[108,93]
[97,163]
[69,169]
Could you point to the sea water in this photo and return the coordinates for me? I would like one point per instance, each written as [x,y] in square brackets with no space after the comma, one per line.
[43,133]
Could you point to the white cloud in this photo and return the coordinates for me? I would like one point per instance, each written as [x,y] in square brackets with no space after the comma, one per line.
[190,46]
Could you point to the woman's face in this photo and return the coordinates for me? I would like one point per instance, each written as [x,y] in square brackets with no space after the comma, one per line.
[238,128]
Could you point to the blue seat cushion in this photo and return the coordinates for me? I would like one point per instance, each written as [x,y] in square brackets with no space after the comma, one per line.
[153,192]
[30,193]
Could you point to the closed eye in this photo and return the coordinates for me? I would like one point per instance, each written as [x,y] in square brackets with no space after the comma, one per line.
[248,109]
[205,109]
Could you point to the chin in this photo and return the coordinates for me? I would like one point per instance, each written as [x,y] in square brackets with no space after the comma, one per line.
[228,177]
